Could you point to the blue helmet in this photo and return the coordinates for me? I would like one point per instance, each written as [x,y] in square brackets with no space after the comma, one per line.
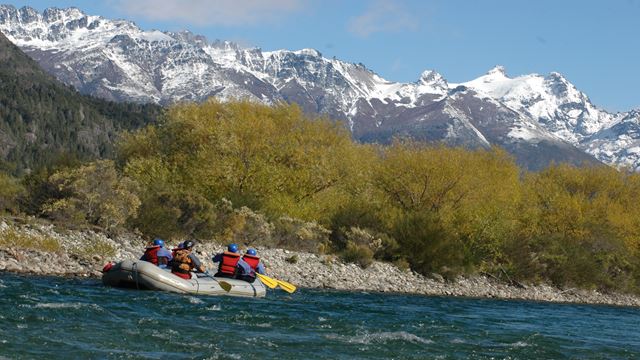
[158,242]
[252,252]
[232,248]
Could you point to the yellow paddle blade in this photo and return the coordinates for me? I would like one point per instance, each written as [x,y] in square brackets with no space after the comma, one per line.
[225,285]
[288,287]
[269,282]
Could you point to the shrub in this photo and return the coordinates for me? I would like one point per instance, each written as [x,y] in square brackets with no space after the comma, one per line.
[243,226]
[358,254]
[300,235]
[176,215]
[292,259]
[92,194]
[429,246]
[10,191]
[12,238]
[402,264]
[96,246]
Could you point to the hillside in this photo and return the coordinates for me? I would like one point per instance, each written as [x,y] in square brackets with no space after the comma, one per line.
[43,121]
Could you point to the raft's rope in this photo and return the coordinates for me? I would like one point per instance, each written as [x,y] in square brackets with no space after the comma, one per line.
[135,268]
[197,284]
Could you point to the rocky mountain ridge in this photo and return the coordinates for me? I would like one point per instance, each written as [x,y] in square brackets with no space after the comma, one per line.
[537,118]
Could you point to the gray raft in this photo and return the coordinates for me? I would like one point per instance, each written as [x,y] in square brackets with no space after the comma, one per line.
[140,274]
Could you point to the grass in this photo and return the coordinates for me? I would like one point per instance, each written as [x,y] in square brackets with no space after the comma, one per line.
[11,238]
[94,247]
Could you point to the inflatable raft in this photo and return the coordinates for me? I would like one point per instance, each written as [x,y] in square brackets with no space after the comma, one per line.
[138,274]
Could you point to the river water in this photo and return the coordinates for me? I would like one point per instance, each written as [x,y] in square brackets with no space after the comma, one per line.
[58,318]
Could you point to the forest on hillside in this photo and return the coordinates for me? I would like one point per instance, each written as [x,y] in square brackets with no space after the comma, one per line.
[269,176]
[42,121]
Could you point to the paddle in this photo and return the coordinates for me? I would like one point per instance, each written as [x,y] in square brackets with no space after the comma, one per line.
[223,284]
[272,283]
[269,282]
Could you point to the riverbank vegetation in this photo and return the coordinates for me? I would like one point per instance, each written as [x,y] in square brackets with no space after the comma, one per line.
[273,177]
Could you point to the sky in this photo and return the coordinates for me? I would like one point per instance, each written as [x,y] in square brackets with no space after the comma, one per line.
[595,44]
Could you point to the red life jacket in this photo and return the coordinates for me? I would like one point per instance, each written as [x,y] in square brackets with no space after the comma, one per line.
[151,254]
[229,262]
[253,261]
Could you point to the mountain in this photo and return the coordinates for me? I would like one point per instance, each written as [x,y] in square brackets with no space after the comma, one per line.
[537,118]
[42,120]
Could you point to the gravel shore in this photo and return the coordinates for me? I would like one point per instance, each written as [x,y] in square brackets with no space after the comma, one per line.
[302,269]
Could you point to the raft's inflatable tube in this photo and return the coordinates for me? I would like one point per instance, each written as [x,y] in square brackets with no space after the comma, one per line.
[138,274]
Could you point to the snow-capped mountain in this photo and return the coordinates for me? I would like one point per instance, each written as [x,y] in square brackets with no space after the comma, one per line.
[537,118]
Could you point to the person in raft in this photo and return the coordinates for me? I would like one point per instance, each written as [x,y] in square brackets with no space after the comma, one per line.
[249,265]
[157,254]
[186,261]
[228,262]
[174,250]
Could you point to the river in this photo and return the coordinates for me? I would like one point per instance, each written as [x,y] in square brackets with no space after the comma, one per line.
[62,318]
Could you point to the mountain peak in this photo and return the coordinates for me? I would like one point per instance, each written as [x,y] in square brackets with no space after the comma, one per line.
[308,52]
[54,14]
[497,71]
[433,78]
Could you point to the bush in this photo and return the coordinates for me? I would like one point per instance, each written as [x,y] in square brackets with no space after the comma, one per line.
[402,264]
[243,226]
[430,247]
[358,254]
[92,194]
[292,259]
[10,192]
[295,234]
[92,247]
[176,215]
[382,245]
[12,238]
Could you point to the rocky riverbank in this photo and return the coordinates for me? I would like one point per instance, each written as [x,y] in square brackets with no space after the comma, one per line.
[85,253]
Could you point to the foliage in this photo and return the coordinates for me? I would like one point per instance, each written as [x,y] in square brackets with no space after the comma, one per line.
[580,227]
[268,158]
[244,226]
[175,215]
[273,177]
[43,121]
[359,254]
[95,246]
[300,235]
[12,238]
[93,194]
[10,192]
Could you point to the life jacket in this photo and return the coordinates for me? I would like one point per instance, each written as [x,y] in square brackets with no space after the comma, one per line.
[182,263]
[253,261]
[228,264]
[151,254]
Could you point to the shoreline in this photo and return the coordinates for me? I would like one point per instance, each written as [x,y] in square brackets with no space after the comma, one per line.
[305,270]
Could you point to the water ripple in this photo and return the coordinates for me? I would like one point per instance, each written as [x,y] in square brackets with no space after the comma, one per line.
[59,318]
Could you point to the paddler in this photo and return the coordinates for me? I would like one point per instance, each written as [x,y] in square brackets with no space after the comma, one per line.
[186,261]
[228,262]
[157,254]
[249,265]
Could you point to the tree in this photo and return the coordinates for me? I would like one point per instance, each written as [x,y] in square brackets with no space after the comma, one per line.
[92,194]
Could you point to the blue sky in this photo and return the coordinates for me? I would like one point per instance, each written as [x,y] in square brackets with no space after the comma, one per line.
[594,43]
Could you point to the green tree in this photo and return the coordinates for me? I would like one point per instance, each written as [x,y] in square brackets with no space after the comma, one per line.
[92,194]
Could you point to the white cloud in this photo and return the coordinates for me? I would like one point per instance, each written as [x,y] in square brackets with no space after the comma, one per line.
[210,12]
[383,16]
